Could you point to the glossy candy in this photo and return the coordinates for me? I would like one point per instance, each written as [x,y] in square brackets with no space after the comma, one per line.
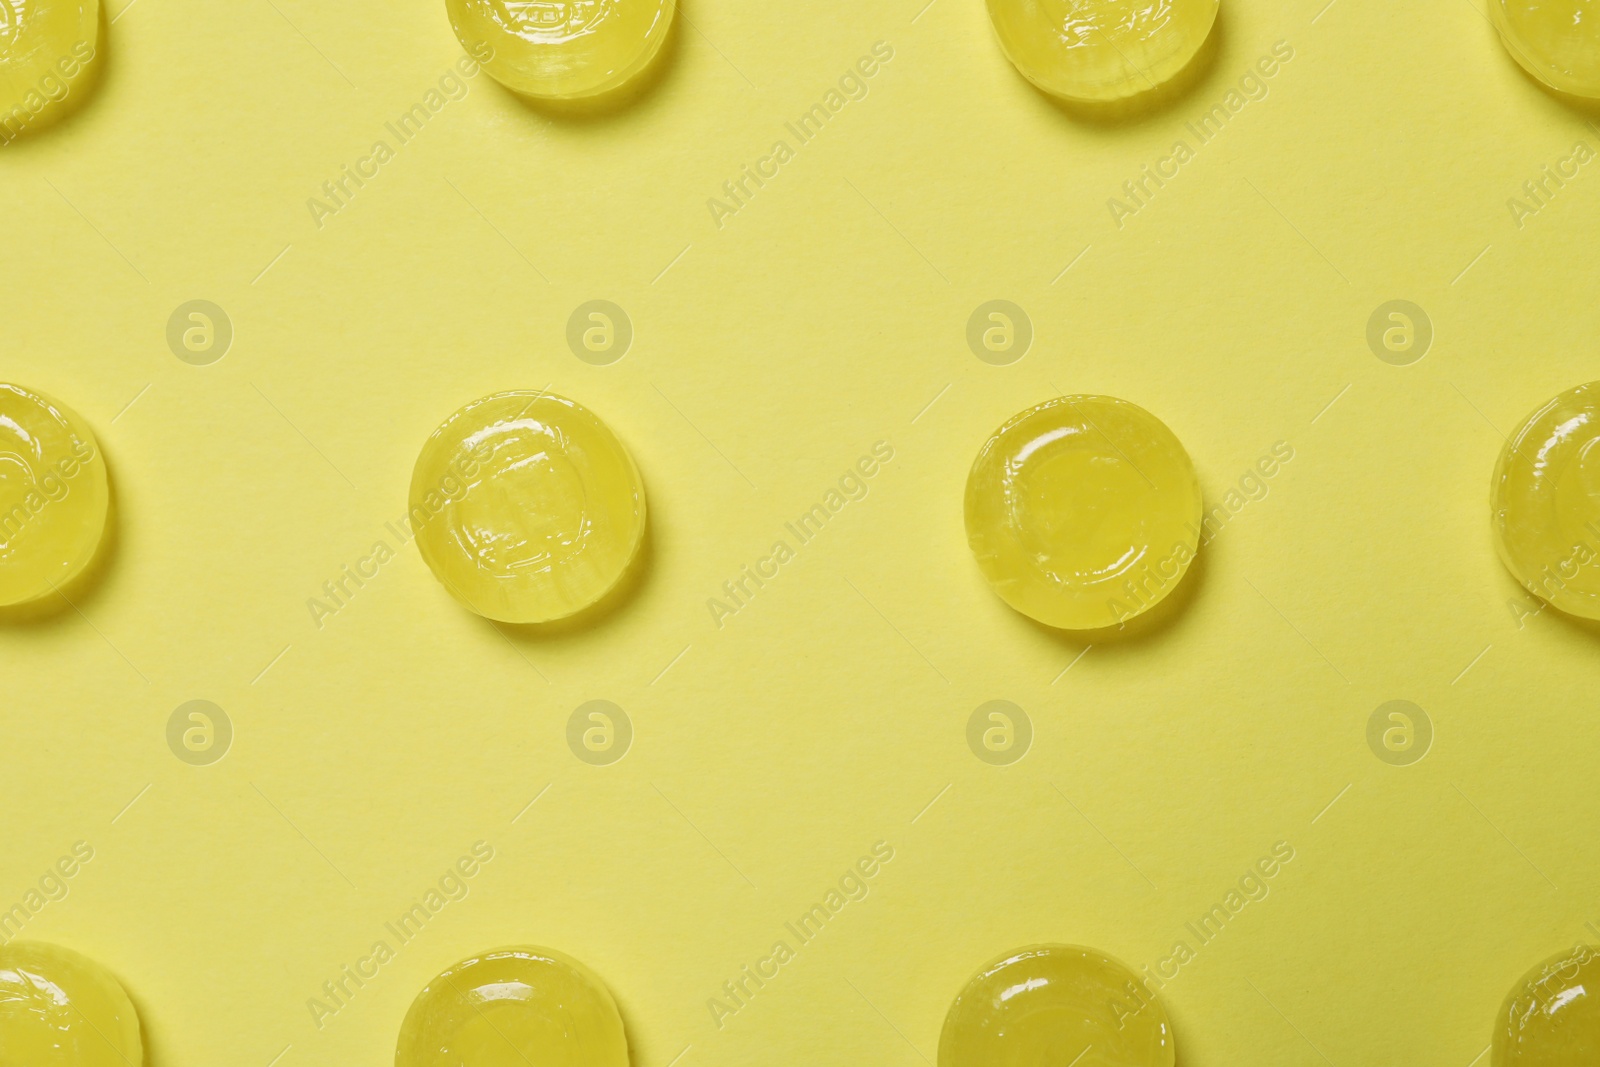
[514,1007]
[562,49]
[1057,1005]
[1557,41]
[1083,512]
[1552,1017]
[44,45]
[1545,502]
[527,507]
[60,1009]
[53,495]
[1097,51]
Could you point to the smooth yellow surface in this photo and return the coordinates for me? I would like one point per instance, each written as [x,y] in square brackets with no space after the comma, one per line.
[1544,501]
[61,1009]
[526,506]
[1050,1004]
[510,1008]
[53,495]
[1083,511]
[1557,41]
[780,349]
[1101,50]
[44,48]
[1551,1018]
[563,49]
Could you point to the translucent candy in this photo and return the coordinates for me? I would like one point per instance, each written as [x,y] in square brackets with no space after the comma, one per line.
[1083,512]
[1545,502]
[1557,41]
[53,495]
[1058,1005]
[1101,50]
[60,1009]
[44,47]
[1552,1017]
[527,507]
[562,49]
[514,1007]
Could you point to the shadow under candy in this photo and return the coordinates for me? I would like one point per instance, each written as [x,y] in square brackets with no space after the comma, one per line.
[599,108]
[1153,101]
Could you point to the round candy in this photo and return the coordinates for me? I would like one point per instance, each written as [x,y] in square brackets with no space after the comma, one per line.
[527,507]
[60,1009]
[562,49]
[1096,51]
[1545,502]
[53,495]
[44,45]
[1557,41]
[1552,1017]
[1052,1004]
[514,1007]
[1083,512]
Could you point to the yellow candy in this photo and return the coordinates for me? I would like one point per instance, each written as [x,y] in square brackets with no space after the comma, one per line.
[1545,502]
[53,495]
[44,45]
[527,507]
[1101,50]
[60,1009]
[1557,41]
[1058,1005]
[1552,1017]
[514,1007]
[562,49]
[1083,512]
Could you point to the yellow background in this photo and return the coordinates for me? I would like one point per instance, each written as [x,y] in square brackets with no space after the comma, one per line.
[826,715]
